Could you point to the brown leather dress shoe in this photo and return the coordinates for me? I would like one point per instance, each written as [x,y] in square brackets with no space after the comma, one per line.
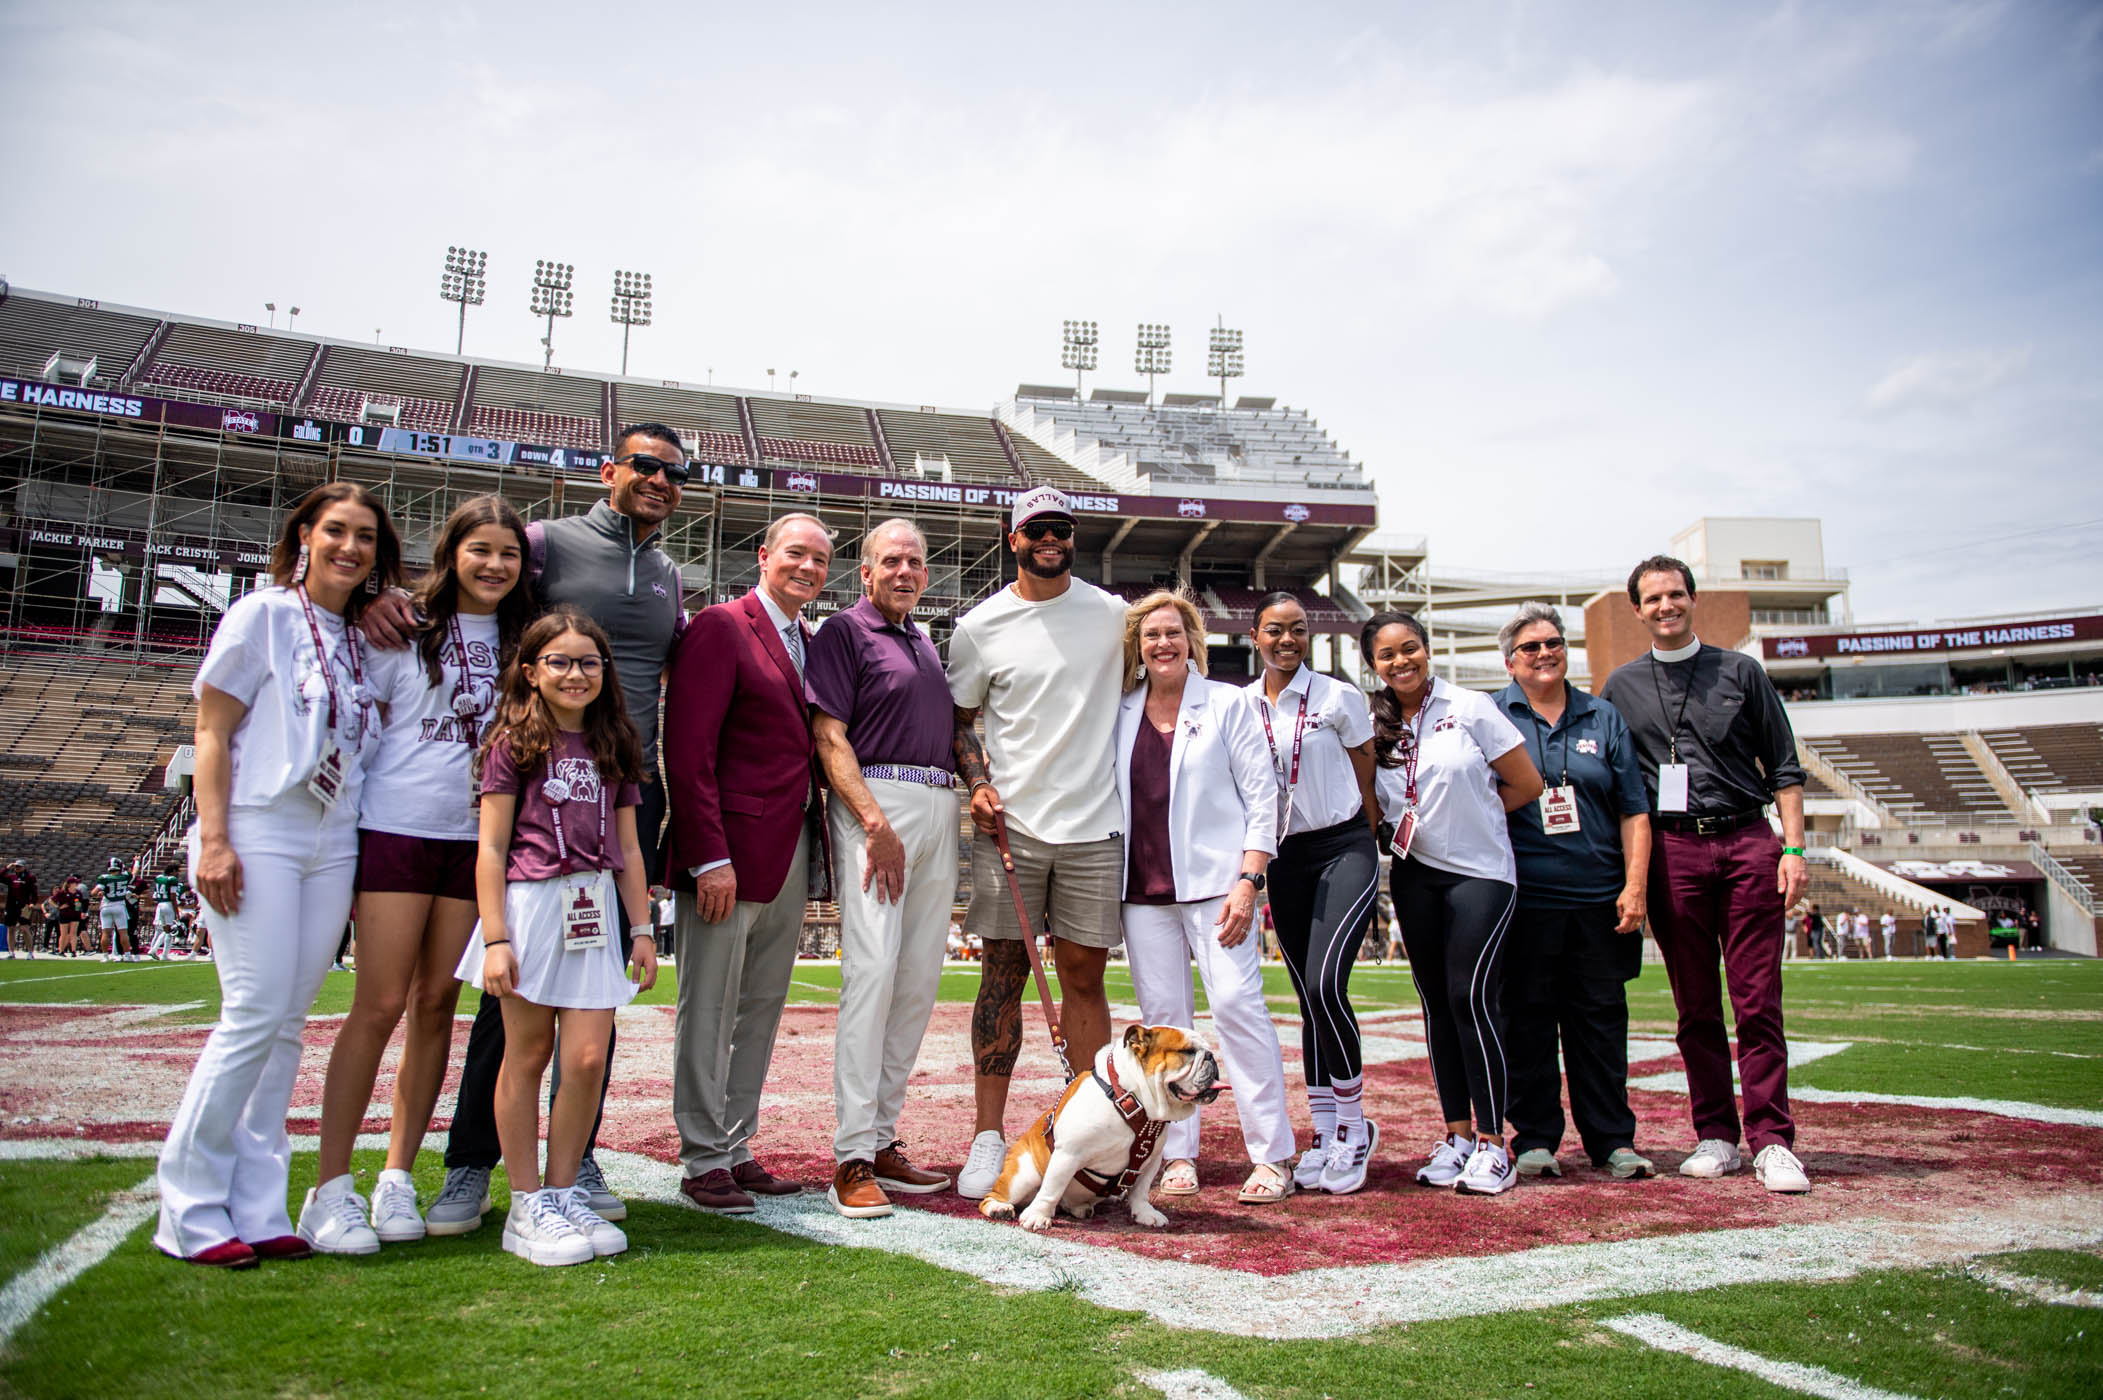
[895,1173]
[854,1191]
[761,1182]
[716,1191]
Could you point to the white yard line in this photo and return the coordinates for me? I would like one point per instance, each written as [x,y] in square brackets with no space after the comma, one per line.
[2042,1290]
[1189,1385]
[27,1292]
[1652,1330]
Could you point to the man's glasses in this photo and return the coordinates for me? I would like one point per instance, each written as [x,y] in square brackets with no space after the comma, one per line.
[1550,645]
[1057,529]
[559,664]
[643,464]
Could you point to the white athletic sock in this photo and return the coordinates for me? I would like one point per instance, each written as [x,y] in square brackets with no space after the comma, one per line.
[1350,1108]
[1321,1105]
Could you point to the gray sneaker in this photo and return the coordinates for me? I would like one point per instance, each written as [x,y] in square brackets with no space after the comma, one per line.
[604,1203]
[461,1203]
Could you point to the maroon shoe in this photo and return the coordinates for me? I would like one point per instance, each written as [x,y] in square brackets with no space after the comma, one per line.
[231,1254]
[715,1191]
[758,1180]
[283,1247]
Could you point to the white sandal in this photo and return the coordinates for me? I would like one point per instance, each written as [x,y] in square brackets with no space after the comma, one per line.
[1268,1184]
[1178,1178]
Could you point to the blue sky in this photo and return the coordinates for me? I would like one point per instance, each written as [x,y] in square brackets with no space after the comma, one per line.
[1564,277]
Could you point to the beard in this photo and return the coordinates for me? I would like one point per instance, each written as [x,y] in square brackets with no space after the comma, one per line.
[1027,562]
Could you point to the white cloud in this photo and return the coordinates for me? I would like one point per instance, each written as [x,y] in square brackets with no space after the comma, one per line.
[1949,381]
[1861,159]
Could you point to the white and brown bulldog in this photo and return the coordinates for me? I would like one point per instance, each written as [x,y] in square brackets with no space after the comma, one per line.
[1104,1137]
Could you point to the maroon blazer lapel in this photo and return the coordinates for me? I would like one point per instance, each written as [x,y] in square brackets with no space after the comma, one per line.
[770,641]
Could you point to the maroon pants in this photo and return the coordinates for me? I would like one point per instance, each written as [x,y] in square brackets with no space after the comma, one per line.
[1714,896]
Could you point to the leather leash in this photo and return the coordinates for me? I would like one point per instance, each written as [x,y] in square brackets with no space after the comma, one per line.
[1029,942]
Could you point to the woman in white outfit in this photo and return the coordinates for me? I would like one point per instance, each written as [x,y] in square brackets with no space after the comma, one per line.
[285,724]
[1200,805]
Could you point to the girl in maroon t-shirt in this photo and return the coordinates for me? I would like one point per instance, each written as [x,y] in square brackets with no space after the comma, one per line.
[559,773]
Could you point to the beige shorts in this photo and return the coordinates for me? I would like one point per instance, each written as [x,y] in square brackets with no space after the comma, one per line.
[1084,881]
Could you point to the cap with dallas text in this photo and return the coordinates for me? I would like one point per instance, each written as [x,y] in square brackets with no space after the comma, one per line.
[1040,500]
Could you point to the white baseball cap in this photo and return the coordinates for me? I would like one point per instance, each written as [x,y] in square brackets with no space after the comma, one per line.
[1040,500]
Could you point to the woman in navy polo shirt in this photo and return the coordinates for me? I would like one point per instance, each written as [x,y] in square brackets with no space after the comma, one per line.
[1583,855]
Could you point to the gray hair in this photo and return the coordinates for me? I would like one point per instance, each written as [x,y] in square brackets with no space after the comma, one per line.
[896,522]
[1528,614]
[773,536]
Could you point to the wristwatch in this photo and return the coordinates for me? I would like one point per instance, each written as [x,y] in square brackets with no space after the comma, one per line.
[1256,880]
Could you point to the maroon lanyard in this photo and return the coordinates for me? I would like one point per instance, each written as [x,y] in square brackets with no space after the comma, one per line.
[557,792]
[465,702]
[1416,750]
[1292,779]
[328,670]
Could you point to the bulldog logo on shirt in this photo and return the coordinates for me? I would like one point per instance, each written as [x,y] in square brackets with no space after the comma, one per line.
[580,776]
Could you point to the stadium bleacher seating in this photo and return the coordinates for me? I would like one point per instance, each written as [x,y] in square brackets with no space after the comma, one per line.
[823,434]
[1194,440]
[425,389]
[556,410]
[32,330]
[2052,758]
[229,364]
[711,418]
[969,445]
[1915,774]
[1237,605]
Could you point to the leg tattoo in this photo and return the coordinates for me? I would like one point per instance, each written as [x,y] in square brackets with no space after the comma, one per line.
[996,1018]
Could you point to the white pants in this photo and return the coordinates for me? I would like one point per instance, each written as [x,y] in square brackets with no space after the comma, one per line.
[1162,940]
[890,959]
[224,1166]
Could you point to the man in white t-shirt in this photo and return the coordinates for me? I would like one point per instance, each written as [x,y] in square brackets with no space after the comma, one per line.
[1888,925]
[1041,660]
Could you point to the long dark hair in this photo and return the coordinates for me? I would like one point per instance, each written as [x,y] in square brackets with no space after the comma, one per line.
[1390,730]
[524,723]
[438,592]
[387,551]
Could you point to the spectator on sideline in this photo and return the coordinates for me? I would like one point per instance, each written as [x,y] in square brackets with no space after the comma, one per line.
[1815,930]
[285,727]
[1716,746]
[553,875]
[1451,767]
[1325,879]
[1583,859]
[64,905]
[882,722]
[1040,660]
[416,867]
[18,895]
[747,840]
[1200,809]
[1888,926]
[607,564]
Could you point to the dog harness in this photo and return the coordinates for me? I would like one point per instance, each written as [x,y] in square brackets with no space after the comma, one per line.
[1146,1135]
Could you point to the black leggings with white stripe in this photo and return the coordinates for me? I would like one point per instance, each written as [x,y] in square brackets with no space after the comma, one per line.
[1454,927]
[1323,885]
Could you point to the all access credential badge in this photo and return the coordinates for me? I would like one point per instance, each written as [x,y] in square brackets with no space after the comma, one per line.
[583,917]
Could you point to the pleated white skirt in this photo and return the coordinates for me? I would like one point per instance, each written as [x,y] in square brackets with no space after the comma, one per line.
[591,979]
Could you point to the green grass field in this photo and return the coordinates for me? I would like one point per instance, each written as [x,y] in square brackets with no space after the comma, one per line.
[708,1306]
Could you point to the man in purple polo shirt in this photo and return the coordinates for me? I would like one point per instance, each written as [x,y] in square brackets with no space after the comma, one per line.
[883,723]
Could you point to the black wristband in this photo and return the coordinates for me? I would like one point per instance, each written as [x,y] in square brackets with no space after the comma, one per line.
[494,942]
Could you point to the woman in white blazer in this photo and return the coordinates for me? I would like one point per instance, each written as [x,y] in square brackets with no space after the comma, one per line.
[1200,817]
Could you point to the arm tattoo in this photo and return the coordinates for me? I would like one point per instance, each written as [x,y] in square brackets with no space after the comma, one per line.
[996,1019]
[970,751]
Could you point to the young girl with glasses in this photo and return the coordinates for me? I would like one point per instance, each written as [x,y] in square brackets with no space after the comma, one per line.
[559,773]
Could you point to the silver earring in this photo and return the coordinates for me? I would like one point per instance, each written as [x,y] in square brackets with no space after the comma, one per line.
[299,570]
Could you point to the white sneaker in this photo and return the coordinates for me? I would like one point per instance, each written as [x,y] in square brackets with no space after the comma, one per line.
[1711,1158]
[1489,1171]
[1778,1170]
[539,1232]
[989,1152]
[605,1236]
[332,1219]
[1308,1174]
[1344,1172]
[395,1218]
[1448,1160]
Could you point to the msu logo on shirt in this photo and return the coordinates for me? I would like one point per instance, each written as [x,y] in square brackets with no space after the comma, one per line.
[581,775]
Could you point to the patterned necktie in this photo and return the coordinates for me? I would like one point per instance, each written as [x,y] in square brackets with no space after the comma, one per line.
[792,637]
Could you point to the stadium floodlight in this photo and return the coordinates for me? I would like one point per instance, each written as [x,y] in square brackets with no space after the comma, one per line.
[1152,355]
[770,380]
[1077,350]
[792,379]
[631,306]
[462,281]
[271,307]
[292,319]
[552,297]
[1223,359]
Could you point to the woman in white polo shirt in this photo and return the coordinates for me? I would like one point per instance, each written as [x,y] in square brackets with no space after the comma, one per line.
[1324,880]
[1450,765]
[1200,819]
[286,723]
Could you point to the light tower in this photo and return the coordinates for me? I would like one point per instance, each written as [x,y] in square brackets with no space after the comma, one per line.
[1223,358]
[552,297]
[631,306]
[462,281]
[1152,356]
[1077,350]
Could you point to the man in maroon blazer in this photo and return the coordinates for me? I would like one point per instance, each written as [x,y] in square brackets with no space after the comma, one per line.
[741,781]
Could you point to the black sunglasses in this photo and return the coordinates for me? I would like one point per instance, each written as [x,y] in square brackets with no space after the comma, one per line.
[1535,648]
[1057,529]
[643,464]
